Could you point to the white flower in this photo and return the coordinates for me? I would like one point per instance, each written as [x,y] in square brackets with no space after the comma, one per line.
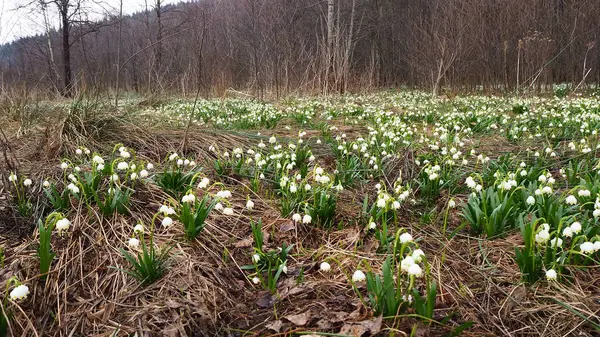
[78,152]
[138,229]
[133,243]
[64,165]
[255,258]
[405,237]
[179,162]
[284,269]
[470,182]
[542,237]
[224,194]
[143,174]
[293,188]
[19,293]
[576,227]
[228,211]
[381,203]
[219,206]
[255,280]
[204,183]
[307,187]
[74,189]
[98,160]
[122,166]
[571,200]
[406,263]
[415,270]
[167,222]
[125,154]
[597,246]
[249,204]
[319,171]
[547,190]
[150,166]
[530,200]
[63,225]
[587,248]
[173,156]
[596,213]
[417,255]
[100,167]
[46,184]
[358,276]
[551,274]
[27,182]
[296,217]
[133,176]
[556,242]
[584,193]
[325,267]
[451,203]
[372,225]
[567,232]
[12,177]
[306,219]
[272,140]
[188,198]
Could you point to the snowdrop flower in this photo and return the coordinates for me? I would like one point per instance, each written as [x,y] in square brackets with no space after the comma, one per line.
[74,189]
[100,167]
[97,160]
[306,219]
[272,140]
[63,225]
[173,156]
[78,152]
[567,232]
[255,280]
[228,211]
[551,275]
[587,248]
[417,255]
[372,225]
[470,182]
[576,227]
[325,267]
[179,162]
[133,243]
[293,188]
[451,203]
[219,206]
[542,178]
[284,269]
[597,246]
[143,174]
[204,183]
[167,222]
[149,166]
[405,237]
[122,166]
[415,270]
[72,177]
[64,165]
[596,213]
[358,276]
[381,203]
[125,154]
[188,198]
[542,237]
[19,293]
[557,242]
[12,177]
[249,204]
[319,171]
[307,187]
[530,200]
[133,176]
[547,190]
[296,217]
[255,258]
[584,193]
[46,184]
[138,229]
[27,182]
[571,200]
[224,194]
[406,263]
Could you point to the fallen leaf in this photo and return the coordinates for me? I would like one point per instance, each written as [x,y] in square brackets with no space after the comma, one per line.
[371,326]
[275,326]
[299,319]
[288,226]
[245,243]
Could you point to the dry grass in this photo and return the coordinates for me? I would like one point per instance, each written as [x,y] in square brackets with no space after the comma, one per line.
[205,293]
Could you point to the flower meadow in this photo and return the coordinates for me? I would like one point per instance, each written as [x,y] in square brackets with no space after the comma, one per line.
[391,213]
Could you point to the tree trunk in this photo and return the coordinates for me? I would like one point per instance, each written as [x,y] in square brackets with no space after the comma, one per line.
[66,26]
